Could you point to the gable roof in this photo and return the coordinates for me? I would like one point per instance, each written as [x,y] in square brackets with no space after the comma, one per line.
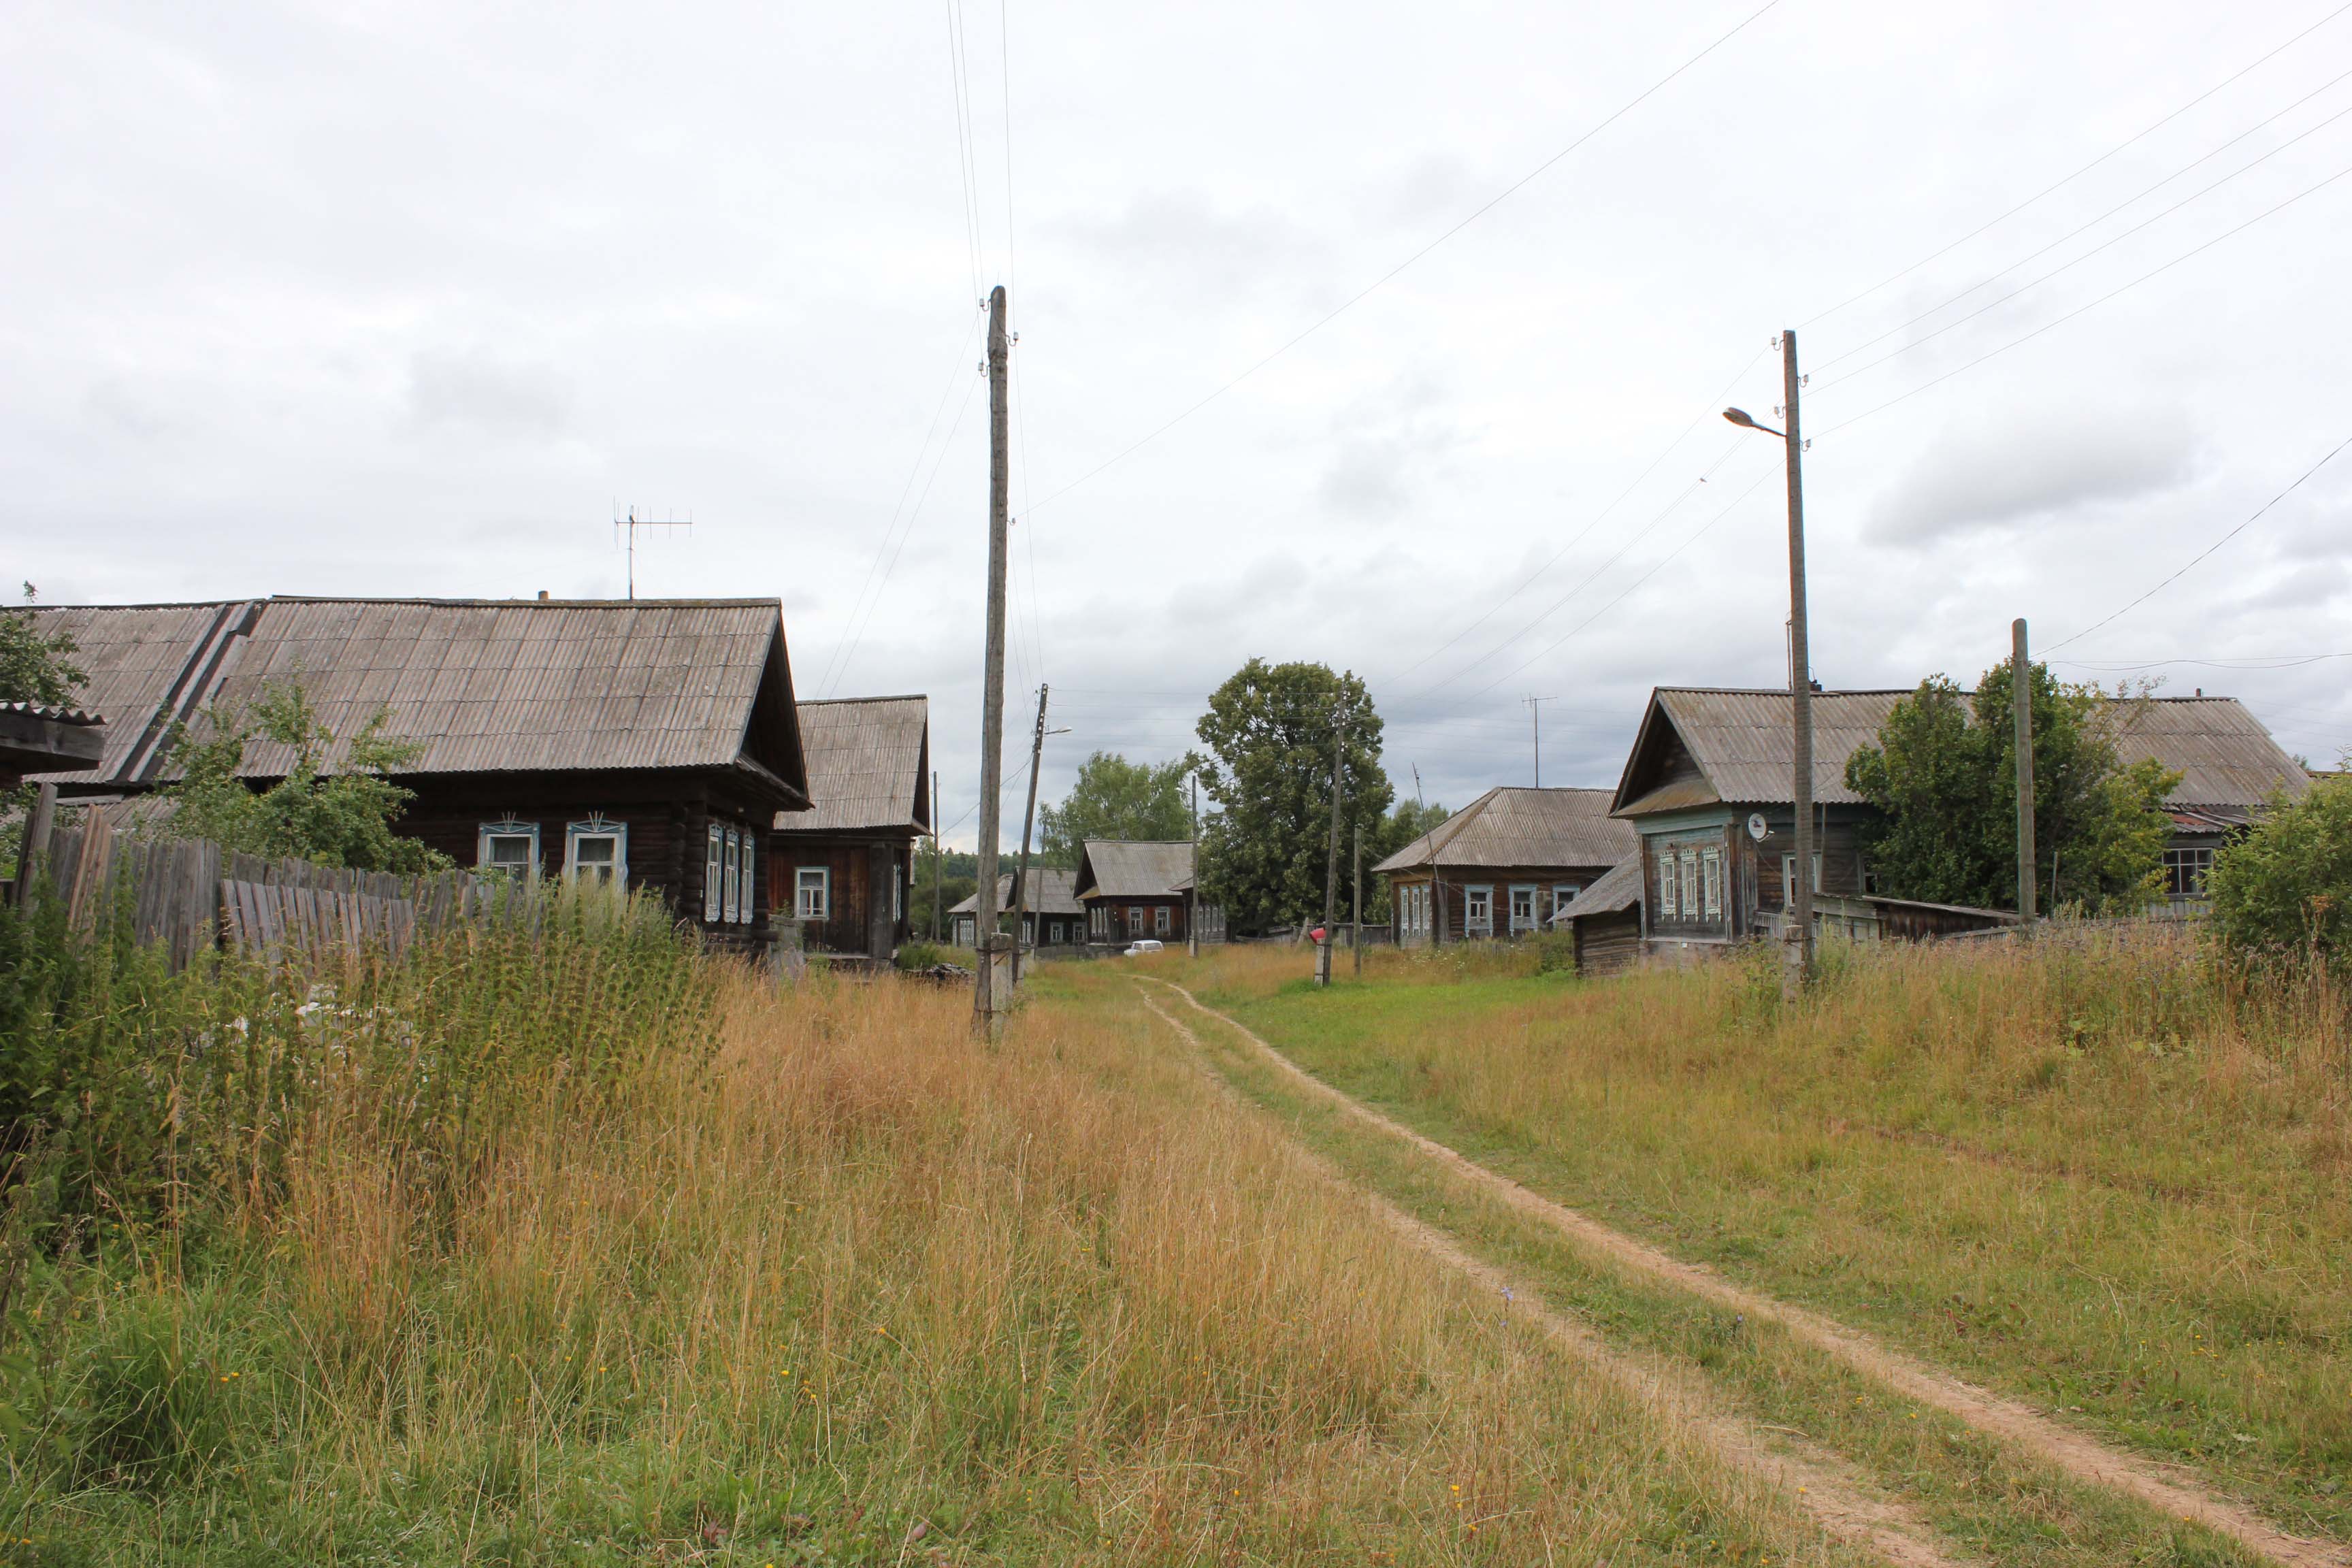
[1700,747]
[1051,893]
[1513,826]
[870,765]
[1134,867]
[479,685]
[1619,890]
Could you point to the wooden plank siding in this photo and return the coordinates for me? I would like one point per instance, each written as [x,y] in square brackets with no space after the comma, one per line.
[860,869]
[1450,902]
[1125,920]
[1753,889]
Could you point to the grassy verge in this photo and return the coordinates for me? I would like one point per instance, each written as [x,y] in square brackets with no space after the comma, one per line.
[582,1248]
[2097,1177]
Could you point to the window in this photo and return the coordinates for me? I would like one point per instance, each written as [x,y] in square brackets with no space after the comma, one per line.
[714,873]
[596,852]
[1690,884]
[751,879]
[1667,905]
[511,848]
[812,888]
[1159,920]
[1134,919]
[1479,911]
[964,924]
[2184,872]
[1523,907]
[1789,876]
[1710,877]
[1562,895]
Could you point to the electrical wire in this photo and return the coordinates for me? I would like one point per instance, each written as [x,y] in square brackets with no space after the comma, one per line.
[2112,293]
[2208,550]
[1926,338]
[1359,296]
[2120,146]
[967,164]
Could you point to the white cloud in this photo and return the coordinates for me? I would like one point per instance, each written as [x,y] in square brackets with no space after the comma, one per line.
[2030,465]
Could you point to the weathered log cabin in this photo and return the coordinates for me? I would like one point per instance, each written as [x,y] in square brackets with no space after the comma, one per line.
[646,743]
[1503,864]
[1134,889]
[845,867]
[1051,917]
[1709,788]
[1604,921]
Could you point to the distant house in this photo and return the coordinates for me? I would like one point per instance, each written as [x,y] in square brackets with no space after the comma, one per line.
[1708,785]
[1051,915]
[1133,888]
[646,743]
[1503,864]
[844,868]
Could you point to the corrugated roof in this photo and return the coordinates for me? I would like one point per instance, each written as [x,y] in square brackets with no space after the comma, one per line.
[1052,892]
[1133,868]
[1513,826]
[81,717]
[1619,890]
[1741,743]
[482,685]
[868,766]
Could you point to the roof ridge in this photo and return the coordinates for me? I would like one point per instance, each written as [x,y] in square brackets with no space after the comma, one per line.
[832,701]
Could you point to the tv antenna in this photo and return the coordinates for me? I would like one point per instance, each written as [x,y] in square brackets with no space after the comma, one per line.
[1534,717]
[632,522]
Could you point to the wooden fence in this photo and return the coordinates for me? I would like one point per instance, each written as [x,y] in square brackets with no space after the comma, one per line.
[189,896]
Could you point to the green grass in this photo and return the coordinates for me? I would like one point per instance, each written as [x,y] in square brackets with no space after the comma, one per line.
[2098,1179]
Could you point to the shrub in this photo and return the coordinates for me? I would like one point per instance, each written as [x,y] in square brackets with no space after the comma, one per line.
[2285,888]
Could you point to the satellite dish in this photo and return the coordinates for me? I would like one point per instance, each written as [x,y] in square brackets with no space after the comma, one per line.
[1757,827]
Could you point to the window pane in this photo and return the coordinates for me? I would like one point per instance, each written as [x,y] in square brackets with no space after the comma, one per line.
[595,851]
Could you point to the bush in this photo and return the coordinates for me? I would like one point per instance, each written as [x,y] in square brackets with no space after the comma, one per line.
[2285,888]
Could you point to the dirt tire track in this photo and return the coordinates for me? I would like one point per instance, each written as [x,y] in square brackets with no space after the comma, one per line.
[1822,1485]
[2172,1491]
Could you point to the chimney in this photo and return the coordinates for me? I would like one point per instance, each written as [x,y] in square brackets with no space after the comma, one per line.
[542,593]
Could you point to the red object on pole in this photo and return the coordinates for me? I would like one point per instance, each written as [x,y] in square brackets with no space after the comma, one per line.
[1317,934]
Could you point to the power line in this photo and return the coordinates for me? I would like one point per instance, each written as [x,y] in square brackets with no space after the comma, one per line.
[2102,245]
[2101,300]
[2070,179]
[967,164]
[2208,550]
[1358,297]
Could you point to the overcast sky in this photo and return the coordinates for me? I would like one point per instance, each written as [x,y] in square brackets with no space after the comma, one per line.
[406,299]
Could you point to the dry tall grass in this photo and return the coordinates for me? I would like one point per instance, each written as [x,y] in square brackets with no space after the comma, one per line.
[832,1282]
[2097,1169]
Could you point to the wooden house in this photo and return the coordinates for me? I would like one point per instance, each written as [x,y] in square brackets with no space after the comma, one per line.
[1503,864]
[1134,889]
[1604,921]
[1050,916]
[844,868]
[1708,788]
[36,738]
[647,745]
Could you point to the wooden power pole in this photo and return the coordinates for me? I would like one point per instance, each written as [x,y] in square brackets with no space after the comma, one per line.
[2022,701]
[1331,861]
[1355,937]
[987,1007]
[1021,878]
[938,932]
[1800,675]
[1193,894]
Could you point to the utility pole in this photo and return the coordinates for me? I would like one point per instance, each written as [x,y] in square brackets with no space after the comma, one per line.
[1192,902]
[1801,670]
[989,1007]
[1332,862]
[1021,879]
[1356,938]
[1535,716]
[938,931]
[2020,671]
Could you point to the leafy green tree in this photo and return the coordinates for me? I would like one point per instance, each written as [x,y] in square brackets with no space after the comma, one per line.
[2285,888]
[959,875]
[34,667]
[1114,798]
[340,818]
[1943,774]
[1269,730]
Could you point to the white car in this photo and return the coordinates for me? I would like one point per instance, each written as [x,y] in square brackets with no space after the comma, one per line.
[1145,945]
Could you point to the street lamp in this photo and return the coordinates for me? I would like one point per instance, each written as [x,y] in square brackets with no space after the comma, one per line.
[1798,901]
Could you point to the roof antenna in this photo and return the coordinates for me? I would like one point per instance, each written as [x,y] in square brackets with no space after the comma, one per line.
[632,522]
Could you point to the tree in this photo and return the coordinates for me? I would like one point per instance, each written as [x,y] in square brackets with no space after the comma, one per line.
[2285,888]
[959,874]
[1269,730]
[341,818]
[1943,774]
[34,667]
[1115,798]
